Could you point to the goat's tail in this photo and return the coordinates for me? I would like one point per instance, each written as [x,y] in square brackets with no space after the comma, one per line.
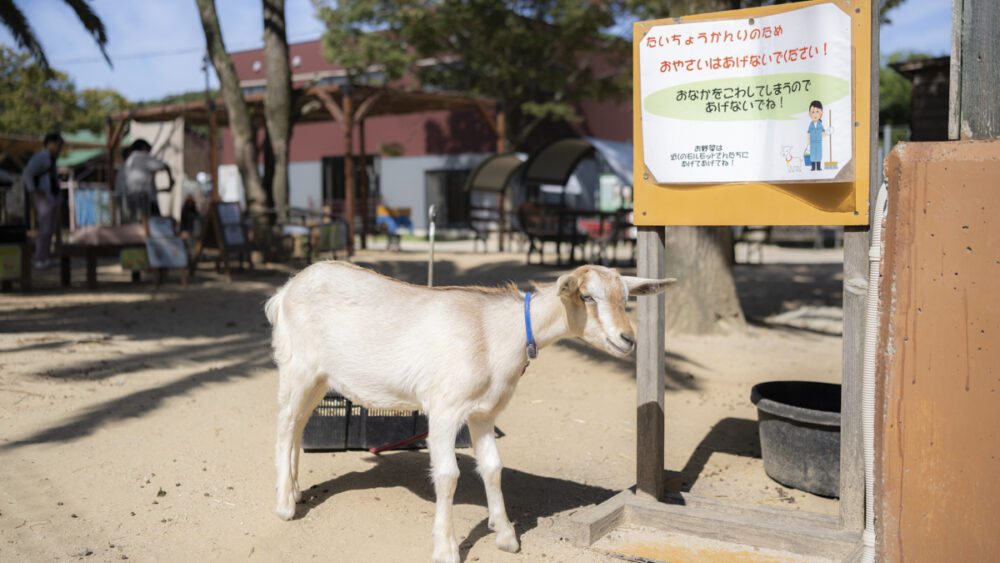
[273,305]
[280,342]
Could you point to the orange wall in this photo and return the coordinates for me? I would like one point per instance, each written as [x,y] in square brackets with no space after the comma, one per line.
[938,408]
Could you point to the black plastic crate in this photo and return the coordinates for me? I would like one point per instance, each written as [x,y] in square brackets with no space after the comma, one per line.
[339,424]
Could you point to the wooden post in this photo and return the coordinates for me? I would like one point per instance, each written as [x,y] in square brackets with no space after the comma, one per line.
[856,242]
[348,125]
[650,367]
[110,170]
[975,70]
[213,150]
[364,184]
[501,148]
[113,138]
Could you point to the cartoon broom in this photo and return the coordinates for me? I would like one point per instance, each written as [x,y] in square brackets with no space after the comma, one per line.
[830,164]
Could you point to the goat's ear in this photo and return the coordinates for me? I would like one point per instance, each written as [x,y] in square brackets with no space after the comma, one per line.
[646,286]
[568,285]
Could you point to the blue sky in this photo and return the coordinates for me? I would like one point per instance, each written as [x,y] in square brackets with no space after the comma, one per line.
[156,46]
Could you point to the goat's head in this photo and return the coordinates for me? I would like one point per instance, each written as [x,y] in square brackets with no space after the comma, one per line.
[595,297]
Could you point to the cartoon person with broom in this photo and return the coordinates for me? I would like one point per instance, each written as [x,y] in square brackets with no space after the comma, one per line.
[816,134]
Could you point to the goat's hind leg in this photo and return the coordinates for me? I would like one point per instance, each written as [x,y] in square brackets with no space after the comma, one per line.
[296,400]
[490,466]
[318,392]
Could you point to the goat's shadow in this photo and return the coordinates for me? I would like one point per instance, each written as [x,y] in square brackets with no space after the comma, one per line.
[529,498]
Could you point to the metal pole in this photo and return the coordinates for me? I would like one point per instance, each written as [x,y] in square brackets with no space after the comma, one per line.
[432,215]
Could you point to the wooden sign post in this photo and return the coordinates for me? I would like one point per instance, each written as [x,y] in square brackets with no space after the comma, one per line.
[224,230]
[762,116]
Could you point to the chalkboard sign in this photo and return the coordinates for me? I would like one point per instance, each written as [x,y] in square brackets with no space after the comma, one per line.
[231,221]
[225,230]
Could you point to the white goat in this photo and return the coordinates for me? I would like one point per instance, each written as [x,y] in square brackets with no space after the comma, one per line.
[455,352]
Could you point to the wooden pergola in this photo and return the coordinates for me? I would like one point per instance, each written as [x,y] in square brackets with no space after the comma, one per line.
[348,105]
[18,148]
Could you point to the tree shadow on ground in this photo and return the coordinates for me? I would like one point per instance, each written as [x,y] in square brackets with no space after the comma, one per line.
[769,289]
[736,436]
[207,312]
[139,403]
[529,498]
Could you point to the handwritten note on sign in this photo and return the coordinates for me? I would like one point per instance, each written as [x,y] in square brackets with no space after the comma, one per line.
[766,99]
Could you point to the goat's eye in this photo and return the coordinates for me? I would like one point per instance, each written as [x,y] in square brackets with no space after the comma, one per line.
[587,299]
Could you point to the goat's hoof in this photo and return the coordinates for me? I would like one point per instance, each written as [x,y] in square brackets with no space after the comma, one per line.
[286,510]
[449,554]
[447,558]
[508,543]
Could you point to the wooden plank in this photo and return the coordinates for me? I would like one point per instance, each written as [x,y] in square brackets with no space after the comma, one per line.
[742,523]
[955,76]
[978,56]
[591,524]
[746,524]
[650,367]
[331,106]
[856,242]
[852,478]
[349,213]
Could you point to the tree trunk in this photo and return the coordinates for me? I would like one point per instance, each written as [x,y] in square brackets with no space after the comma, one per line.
[239,116]
[278,100]
[704,299]
[267,178]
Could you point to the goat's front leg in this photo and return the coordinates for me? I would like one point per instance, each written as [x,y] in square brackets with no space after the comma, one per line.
[443,427]
[489,465]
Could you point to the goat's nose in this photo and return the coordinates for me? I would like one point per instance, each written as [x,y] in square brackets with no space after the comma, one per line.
[628,338]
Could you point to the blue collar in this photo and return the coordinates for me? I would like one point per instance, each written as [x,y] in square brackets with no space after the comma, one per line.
[531,348]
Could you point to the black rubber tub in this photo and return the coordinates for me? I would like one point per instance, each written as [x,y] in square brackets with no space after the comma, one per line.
[800,434]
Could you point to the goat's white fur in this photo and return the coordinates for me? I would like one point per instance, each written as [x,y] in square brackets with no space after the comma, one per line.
[455,353]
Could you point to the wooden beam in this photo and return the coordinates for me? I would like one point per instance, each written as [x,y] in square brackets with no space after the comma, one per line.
[348,125]
[213,150]
[488,120]
[364,182]
[501,131]
[975,70]
[113,140]
[855,291]
[109,170]
[649,369]
[331,106]
[366,106]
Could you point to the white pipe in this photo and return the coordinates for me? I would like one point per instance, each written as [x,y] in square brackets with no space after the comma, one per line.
[868,373]
[432,214]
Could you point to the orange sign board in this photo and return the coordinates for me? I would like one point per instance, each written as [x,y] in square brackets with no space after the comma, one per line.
[728,119]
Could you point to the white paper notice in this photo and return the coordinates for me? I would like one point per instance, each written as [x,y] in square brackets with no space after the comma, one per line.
[766,99]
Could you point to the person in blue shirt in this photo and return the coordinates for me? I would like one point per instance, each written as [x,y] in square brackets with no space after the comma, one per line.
[816,134]
[42,184]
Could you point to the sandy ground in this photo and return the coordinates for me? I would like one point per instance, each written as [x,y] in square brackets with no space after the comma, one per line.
[137,423]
